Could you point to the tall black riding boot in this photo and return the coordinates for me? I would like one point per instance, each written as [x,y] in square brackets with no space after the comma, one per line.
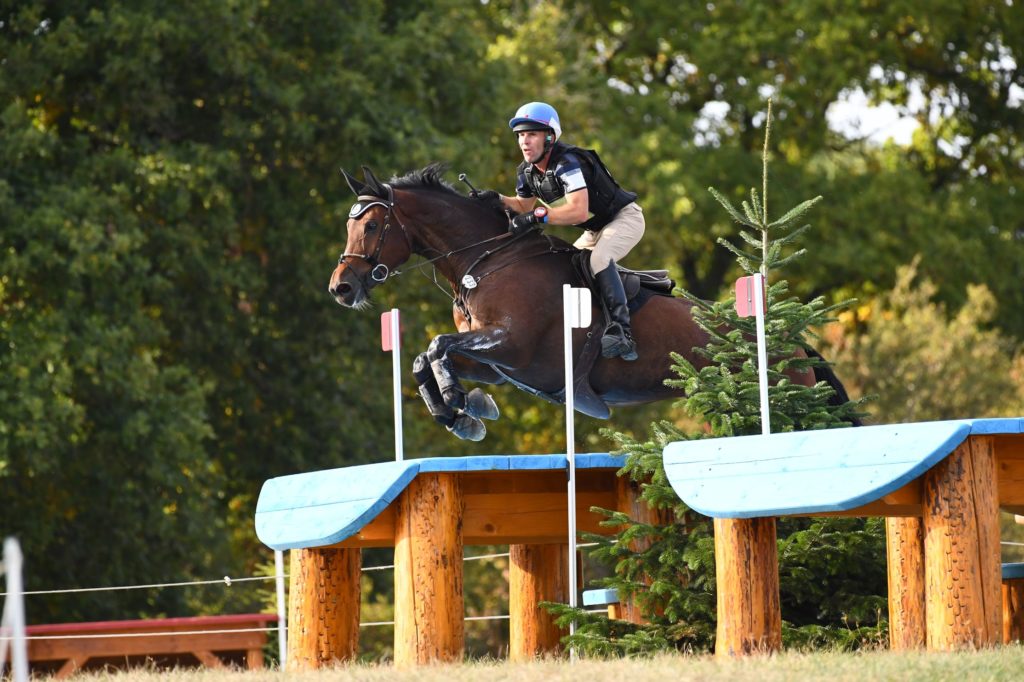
[617,339]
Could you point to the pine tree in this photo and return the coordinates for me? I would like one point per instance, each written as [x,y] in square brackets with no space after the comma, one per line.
[830,571]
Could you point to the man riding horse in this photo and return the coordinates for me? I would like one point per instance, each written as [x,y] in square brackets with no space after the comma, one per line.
[576,188]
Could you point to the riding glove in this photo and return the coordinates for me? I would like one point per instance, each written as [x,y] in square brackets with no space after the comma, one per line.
[485,195]
[524,222]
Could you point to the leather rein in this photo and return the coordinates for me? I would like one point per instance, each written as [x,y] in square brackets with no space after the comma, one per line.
[380,272]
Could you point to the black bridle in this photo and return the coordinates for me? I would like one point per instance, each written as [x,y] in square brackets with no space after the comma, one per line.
[378,271]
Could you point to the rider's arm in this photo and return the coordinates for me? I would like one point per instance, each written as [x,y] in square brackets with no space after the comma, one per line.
[519,204]
[574,211]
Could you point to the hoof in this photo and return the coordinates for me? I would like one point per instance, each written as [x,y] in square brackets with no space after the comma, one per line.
[468,428]
[480,405]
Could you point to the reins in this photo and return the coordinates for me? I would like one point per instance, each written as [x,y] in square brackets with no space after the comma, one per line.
[380,272]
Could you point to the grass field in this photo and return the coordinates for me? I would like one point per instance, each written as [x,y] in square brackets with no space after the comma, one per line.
[1006,663]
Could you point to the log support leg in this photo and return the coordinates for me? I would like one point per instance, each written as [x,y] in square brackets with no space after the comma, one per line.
[961,539]
[1013,610]
[747,572]
[905,557]
[429,609]
[536,573]
[323,611]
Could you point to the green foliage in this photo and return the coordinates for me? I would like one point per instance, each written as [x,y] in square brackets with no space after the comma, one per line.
[925,362]
[170,210]
[830,571]
[170,203]
[673,95]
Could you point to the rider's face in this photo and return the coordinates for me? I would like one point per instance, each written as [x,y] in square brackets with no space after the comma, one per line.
[531,143]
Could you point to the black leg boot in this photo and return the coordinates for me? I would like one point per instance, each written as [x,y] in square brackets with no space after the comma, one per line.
[617,339]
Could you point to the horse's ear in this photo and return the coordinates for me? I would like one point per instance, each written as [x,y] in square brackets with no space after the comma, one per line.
[357,187]
[373,184]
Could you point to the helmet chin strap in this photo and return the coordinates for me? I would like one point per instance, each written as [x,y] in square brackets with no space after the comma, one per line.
[548,144]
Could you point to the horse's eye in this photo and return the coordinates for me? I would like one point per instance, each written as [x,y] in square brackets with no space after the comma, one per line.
[371,225]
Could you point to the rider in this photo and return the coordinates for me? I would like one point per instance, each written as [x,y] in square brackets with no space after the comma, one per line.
[613,222]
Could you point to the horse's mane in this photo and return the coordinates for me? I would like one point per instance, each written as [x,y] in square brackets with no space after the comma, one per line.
[431,178]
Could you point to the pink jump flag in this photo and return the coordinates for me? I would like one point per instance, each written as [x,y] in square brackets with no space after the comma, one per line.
[385,329]
[391,340]
[745,296]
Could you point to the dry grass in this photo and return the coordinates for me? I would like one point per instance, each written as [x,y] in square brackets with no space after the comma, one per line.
[1000,664]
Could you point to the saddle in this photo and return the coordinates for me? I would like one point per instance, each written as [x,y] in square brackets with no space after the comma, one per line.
[640,286]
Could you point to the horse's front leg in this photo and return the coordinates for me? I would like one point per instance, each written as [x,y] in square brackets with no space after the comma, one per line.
[451,356]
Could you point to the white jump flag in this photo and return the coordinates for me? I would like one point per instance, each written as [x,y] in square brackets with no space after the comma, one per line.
[750,300]
[391,340]
[577,311]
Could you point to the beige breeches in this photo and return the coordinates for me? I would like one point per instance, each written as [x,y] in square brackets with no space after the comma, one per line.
[615,239]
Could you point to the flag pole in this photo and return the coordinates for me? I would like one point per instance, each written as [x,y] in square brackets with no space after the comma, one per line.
[762,352]
[576,310]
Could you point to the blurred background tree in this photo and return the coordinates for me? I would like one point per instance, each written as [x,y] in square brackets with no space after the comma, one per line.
[924,363]
[171,210]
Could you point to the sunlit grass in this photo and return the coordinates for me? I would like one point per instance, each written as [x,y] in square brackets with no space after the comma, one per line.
[1006,663]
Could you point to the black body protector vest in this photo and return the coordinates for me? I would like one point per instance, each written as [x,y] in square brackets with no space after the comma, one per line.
[605,196]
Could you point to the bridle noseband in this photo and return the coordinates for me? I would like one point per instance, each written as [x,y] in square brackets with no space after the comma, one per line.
[378,272]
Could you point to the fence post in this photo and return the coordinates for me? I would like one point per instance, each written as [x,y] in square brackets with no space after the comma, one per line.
[324,606]
[429,608]
[14,611]
[536,573]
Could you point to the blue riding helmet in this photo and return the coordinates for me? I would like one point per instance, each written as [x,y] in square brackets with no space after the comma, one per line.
[536,116]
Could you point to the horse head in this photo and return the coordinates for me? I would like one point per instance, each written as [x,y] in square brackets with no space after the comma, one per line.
[377,242]
[416,213]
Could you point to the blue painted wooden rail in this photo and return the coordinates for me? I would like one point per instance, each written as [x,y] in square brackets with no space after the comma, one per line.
[941,482]
[811,472]
[324,508]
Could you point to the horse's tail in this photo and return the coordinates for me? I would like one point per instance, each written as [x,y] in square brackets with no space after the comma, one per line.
[824,372]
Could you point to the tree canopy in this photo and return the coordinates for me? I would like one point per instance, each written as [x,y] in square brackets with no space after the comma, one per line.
[171,209]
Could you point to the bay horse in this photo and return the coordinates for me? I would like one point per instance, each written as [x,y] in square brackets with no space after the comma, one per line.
[507,304]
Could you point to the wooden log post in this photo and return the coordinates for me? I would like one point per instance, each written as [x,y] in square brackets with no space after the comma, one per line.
[627,495]
[536,573]
[961,537]
[1013,610]
[904,538]
[747,574]
[429,609]
[323,611]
